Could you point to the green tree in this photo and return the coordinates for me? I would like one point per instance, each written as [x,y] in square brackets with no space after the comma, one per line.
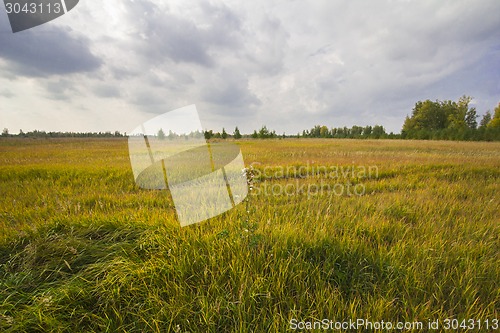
[427,115]
[367,131]
[208,134]
[161,134]
[441,120]
[340,132]
[378,131]
[471,118]
[457,113]
[324,132]
[5,132]
[224,133]
[485,120]
[495,122]
[264,133]
[316,131]
[356,131]
[237,134]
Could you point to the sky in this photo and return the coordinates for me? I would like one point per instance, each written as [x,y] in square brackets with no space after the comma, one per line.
[287,64]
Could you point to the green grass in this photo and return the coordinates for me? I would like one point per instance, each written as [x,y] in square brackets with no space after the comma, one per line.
[82,249]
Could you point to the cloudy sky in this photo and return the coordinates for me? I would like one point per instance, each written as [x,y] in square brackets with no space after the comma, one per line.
[111,65]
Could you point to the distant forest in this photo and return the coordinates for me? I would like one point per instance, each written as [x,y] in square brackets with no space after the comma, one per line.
[448,120]
[430,120]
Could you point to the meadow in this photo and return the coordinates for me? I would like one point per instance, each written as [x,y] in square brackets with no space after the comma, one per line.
[83,249]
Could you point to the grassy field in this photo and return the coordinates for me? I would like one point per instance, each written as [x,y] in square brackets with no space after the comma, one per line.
[417,239]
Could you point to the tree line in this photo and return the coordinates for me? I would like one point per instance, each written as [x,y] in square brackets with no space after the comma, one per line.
[318,131]
[44,134]
[449,120]
[429,120]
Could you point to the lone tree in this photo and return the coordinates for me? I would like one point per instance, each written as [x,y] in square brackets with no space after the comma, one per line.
[161,134]
[5,132]
[237,134]
[224,133]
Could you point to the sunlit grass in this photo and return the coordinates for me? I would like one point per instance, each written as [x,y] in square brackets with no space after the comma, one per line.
[83,249]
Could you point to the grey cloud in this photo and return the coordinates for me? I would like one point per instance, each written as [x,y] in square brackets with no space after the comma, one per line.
[197,37]
[161,36]
[61,89]
[122,73]
[228,87]
[480,80]
[268,46]
[231,95]
[414,47]
[106,91]
[288,64]
[6,93]
[181,41]
[47,51]
[174,80]
[147,98]
[225,27]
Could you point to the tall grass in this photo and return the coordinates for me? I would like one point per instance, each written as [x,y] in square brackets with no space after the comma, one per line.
[83,249]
